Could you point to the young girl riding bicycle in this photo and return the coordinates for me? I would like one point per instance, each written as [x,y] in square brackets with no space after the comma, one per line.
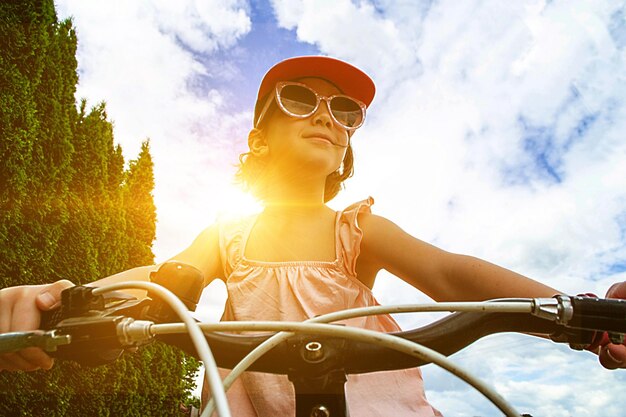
[298,258]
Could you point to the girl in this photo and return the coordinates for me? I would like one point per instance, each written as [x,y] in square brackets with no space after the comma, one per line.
[298,258]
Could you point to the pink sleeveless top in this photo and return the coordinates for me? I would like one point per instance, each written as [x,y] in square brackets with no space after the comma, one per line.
[296,291]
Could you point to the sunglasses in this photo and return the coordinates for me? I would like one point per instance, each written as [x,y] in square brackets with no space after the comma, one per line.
[300,101]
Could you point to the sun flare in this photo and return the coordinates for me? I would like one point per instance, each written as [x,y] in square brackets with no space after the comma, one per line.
[234,202]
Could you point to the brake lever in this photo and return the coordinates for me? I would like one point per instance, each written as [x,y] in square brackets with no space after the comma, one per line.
[46,340]
[102,326]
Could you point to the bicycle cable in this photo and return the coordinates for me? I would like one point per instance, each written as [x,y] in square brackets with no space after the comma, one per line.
[512,306]
[192,328]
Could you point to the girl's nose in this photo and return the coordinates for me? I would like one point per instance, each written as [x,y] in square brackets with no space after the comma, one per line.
[322,116]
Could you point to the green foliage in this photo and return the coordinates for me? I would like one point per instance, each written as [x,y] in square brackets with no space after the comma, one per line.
[140,384]
[139,204]
[68,209]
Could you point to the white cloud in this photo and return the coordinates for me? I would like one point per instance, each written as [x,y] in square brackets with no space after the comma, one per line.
[357,32]
[203,25]
[537,377]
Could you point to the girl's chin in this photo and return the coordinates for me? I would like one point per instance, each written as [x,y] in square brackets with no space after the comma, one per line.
[310,167]
[315,159]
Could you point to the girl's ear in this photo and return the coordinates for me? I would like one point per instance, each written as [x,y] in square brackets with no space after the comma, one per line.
[257,143]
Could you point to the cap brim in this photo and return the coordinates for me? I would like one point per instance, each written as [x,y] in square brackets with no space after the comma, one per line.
[348,78]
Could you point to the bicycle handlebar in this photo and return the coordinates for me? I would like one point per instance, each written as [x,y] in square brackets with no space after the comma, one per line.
[446,336]
[92,328]
[567,319]
[93,322]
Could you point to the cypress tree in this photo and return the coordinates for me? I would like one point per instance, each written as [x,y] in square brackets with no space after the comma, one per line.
[24,40]
[140,209]
[68,209]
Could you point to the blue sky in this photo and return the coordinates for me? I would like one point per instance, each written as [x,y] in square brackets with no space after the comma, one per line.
[256,51]
[498,130]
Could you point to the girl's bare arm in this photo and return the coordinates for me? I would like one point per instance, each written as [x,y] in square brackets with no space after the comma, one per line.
[202,254]
[446,276]
[441,275]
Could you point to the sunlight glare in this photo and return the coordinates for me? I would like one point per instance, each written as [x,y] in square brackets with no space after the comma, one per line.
[234,202]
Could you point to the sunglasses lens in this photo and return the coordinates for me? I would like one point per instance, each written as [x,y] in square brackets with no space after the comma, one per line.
[301,101]
[346,111]
[298,100]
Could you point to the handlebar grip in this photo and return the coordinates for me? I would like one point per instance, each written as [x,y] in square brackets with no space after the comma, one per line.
[185,281]
[598,314]
[50,318]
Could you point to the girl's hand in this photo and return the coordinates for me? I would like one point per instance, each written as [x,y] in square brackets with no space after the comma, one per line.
[20,310]
[614,356]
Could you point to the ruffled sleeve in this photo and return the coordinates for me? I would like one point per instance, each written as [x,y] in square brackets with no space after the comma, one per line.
[231,236]
[350,235]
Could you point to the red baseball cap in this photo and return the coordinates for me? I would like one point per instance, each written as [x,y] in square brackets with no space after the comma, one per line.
[348,78]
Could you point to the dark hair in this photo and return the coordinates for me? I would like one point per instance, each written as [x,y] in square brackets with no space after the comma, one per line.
[251,168]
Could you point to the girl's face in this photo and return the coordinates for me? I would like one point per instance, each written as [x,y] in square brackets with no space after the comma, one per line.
[315,145]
